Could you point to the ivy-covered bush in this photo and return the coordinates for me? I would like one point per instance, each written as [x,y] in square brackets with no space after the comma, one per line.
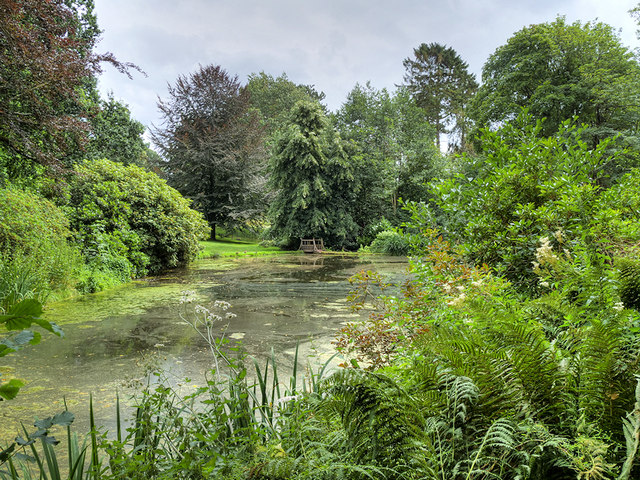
[129,222]
[35,257]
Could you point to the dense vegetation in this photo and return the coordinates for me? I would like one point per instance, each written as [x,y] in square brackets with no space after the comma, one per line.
[513,351]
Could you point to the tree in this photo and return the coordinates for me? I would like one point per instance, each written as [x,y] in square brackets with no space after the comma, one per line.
[391,152]
[115,135]
[559,71]
[46,58]
[439,81]
[213,146]
[312,179]
[275,97]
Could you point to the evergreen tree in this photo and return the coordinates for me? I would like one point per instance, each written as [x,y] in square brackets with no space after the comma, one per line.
[313,182]
[441,84]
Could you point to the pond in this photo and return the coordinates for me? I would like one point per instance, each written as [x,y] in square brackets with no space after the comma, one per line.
[113,338]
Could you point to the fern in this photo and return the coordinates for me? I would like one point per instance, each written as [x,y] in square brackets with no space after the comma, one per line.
[382,422]
[631,429]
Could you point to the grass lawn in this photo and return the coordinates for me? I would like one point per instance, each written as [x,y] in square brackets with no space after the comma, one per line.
[228,247]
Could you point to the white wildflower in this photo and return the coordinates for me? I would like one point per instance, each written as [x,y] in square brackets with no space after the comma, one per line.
[618,307]
[544,284]
[222,305]
[460,288]
[544,253]
[187,297]
[559,234]
[457,301]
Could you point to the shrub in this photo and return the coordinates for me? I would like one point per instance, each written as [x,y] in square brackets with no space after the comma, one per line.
[521,188]
[35,257]
[129,221]
[390,242]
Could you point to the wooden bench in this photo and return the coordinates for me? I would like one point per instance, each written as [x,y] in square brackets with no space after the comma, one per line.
[311,245]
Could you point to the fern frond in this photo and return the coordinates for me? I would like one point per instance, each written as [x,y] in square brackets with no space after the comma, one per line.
[382,422]
[631,428]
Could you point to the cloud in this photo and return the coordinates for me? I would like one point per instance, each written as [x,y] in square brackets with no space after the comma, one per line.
[332,44]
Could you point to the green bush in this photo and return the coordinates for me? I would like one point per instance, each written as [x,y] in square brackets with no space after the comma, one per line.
[522,188]
[35,257]
[390,242]
[129,222]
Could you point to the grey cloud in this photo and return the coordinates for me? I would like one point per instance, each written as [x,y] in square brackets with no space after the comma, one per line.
[333,44]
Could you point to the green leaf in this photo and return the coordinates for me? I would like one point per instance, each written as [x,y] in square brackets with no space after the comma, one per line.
[28,307]
[63,419]
[6,453]
[22,314]
[49,326]
[15,343]
[9,390]
[22,442]
[50,440]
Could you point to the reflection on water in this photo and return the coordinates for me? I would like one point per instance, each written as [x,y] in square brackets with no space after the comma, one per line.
[111,336]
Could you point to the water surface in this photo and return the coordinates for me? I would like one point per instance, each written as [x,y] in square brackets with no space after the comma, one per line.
[112,338]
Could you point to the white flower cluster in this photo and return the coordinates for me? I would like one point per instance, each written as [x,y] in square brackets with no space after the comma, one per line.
[209,317]
[459,300]
[544,254]
[187,297]
[618,307]
[222,305]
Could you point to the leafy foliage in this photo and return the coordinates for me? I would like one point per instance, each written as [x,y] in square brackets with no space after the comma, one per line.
[46,56]
[35,256]
[629,283]
[213,147]
[391,152]
[559,70]
[116,136]
[312,178]
[275,97]
[390,242]
[129,221]
[522,188]
[440,82]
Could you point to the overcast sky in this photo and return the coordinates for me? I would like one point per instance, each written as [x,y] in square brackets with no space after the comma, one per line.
[332,44]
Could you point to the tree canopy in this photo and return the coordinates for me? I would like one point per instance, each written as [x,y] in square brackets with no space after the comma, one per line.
[559,71]
[275,97]
[115,135]
[213,146]
[46,59]
[390,147]
[441,84]
[311,177]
